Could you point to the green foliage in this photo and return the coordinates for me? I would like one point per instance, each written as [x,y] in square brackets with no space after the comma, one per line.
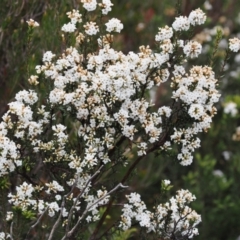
[217,200]
[4,183]
[29,215]
[124,235]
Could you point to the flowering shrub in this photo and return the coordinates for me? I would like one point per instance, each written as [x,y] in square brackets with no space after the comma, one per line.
[61,148]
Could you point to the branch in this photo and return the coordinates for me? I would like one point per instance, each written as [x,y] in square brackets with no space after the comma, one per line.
[125,177]
[152,149]
[11,231]
[79,195]
[38,221]
[69,234]
[60,214]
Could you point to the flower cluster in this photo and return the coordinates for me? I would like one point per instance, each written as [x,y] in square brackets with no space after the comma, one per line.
[192,49]
[89,5]
[114,25]
[234,44]
[182,23]
[96,103]
[231,108]
[197,91]
[4,236]
[171,219]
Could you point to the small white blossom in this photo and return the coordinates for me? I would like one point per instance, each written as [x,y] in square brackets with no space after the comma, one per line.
[164,33]
[52,208]
[32,23]
[5,236]
[231,108]
[47,56]
[54,187]
[27,97]
[207,5]
[166,182]
[181,24]
[197,17]
[114,25]
[33,80]
[106,6]
[75,16]
[89,5]
[69,27]
[218,173]
[91,28]
[9,216]
[142,149]
[226,155]
[196,111]
[234,44]
[192,49]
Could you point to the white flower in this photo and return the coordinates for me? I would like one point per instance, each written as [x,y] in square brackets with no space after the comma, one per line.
[64,212]
[218,173]
[192,49]
[89,218]
[75,16]
[226,155]
[9,216]
[5,236]
[166,182]
[197,17]
[106,6]
[54,186]
[89,5]
[196,111]
[181,24]
[185,158]
[164,33]
[166,146]
[52,208]
[165,111]
[234,44]
[26,97]
[231,108]
[25,190]
[207,5]
[174,215]
[114,25]
[91,28]
[142,149]
[166,46]
[47,56]
[180,43]
[33,80]
[69,27]
[58,197]
[32,23]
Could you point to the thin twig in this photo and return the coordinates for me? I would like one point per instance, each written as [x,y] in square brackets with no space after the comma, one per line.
[60,214]
[125,177]
[11,231]
[69,234]
[79,195]
[35,224]
[226,58]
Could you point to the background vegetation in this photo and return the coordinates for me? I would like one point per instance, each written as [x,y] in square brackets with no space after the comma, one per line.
[214,176]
